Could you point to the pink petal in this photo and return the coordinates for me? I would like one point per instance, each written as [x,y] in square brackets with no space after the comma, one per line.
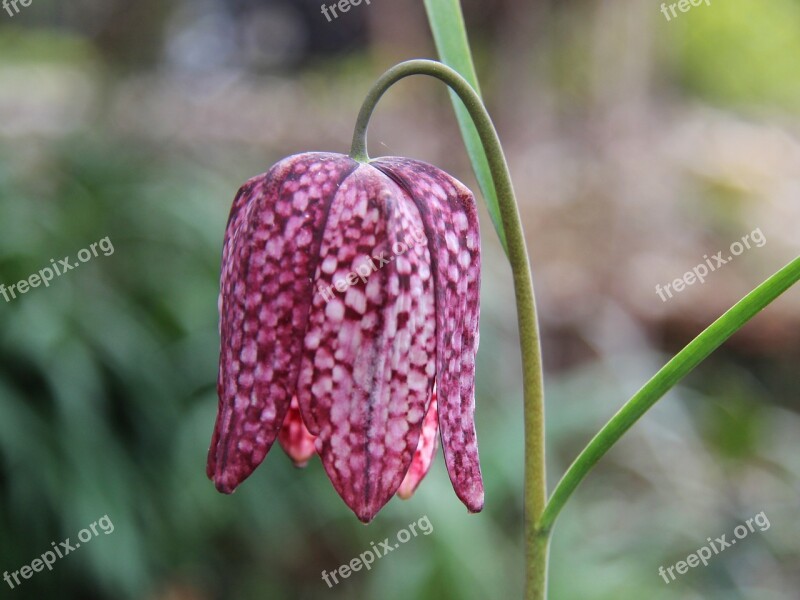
[368,369]
[270,254]
[423,457]
[451,225]
[294,437]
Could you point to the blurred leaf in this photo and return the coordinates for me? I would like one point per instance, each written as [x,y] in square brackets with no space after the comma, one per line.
[741,53]
[450,35]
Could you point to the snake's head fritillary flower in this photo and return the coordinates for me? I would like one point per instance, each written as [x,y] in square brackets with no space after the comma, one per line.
[348,291]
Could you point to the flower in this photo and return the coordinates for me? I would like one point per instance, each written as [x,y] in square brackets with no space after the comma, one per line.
[337,316]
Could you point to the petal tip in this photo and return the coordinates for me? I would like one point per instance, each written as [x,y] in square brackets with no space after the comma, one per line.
[225,483]
[476,507]
[365,517]
[404,493]
[224,488]
[473,497]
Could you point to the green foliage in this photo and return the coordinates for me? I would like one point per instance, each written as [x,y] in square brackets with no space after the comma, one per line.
[450,35]
[740,53]
[104,385]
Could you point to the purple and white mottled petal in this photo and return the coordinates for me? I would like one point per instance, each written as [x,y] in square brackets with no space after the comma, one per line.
[270,255]
[369,363]
[423,457]
[450,218]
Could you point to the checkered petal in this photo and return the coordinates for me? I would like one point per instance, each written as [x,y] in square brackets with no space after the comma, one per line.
[449,215]
[270,254]
[369,363]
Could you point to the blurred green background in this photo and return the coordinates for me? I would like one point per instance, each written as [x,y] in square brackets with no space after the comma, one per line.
[637,144]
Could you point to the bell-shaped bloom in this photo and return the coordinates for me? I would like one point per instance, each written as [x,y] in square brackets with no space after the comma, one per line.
[353,288]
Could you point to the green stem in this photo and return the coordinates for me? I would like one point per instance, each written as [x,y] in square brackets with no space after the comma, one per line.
[677,368]
[535,495]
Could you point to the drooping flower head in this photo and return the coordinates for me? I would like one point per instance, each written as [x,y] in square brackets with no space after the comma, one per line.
[348,291]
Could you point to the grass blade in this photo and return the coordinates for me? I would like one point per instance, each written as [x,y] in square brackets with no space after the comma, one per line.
[450,35]
[676,369]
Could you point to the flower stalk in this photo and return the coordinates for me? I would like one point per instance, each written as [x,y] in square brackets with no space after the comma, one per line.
[535,489]
[539,513]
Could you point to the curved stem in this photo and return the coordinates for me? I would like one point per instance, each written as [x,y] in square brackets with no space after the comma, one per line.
[536,543]
[680,365]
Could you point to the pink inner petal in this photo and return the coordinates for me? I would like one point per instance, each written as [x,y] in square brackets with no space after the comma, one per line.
[423,457]
[294,437]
